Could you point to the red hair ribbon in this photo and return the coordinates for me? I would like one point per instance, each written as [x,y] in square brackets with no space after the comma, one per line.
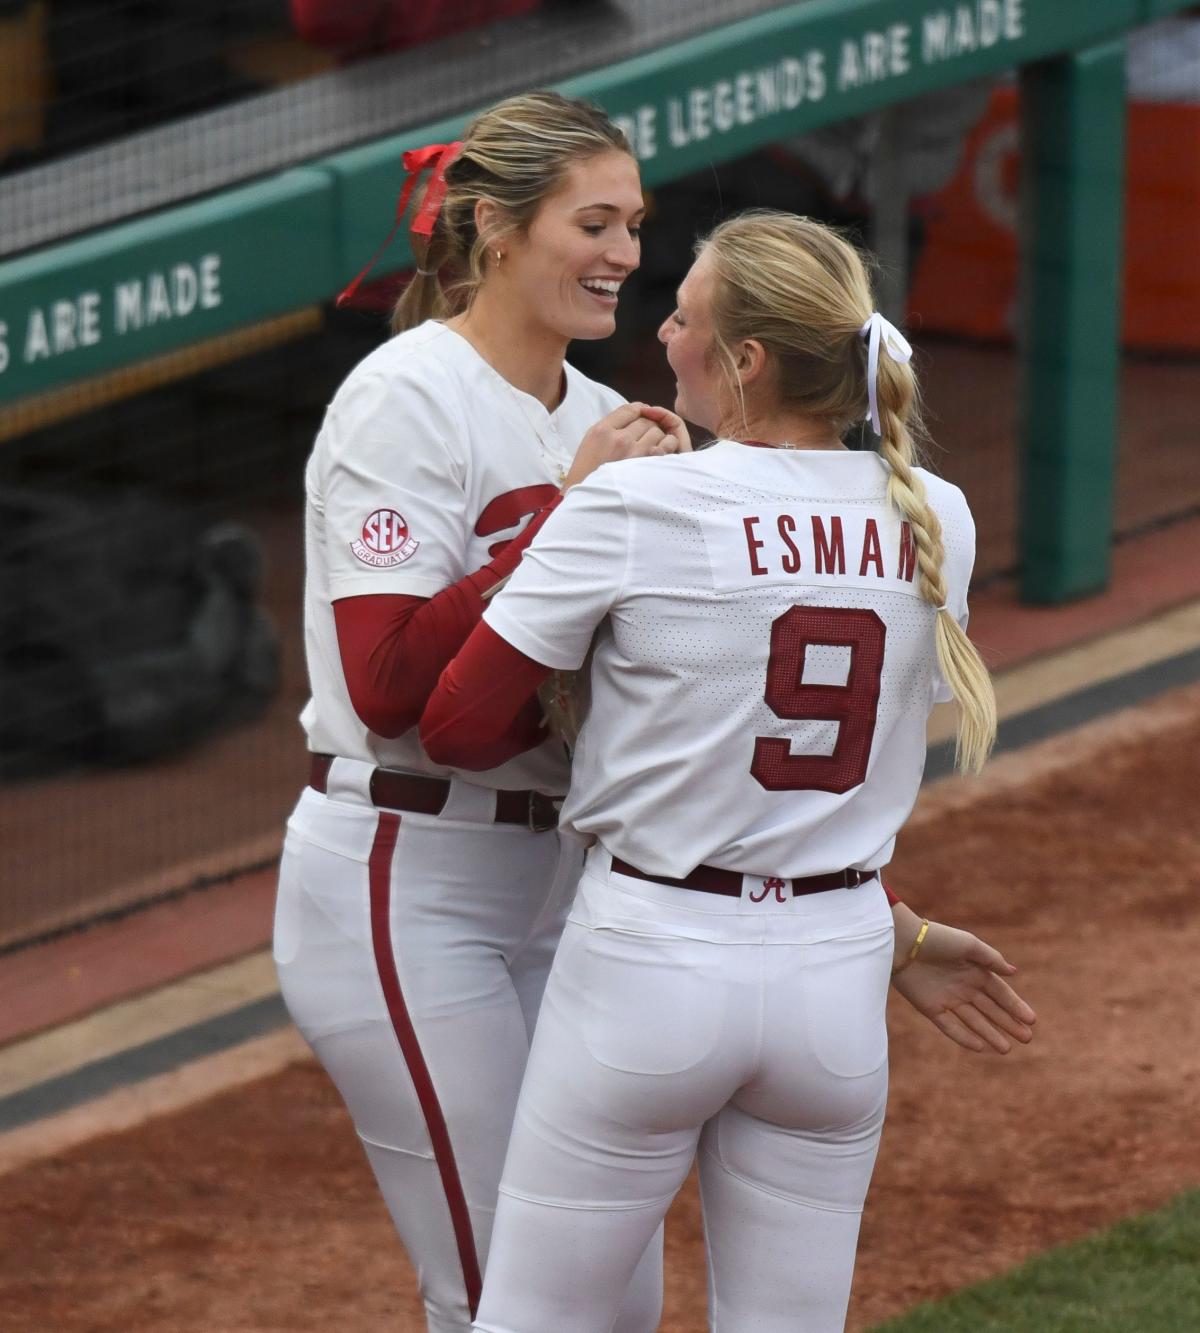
[436,155]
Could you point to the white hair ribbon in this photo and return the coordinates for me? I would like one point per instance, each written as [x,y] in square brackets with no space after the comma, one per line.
[878,330]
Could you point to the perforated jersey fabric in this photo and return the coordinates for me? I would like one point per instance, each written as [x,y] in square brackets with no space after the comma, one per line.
[764,662]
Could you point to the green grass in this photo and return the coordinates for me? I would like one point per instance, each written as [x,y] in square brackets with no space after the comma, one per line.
[1141,1276]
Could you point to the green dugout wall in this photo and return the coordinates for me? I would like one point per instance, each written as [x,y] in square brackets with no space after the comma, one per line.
[116,297]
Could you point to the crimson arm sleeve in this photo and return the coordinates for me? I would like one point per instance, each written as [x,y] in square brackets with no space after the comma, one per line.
[394,647]
[891,897]
[473,716]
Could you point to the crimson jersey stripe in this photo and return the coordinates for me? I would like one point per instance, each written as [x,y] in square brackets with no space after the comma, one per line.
[385,960]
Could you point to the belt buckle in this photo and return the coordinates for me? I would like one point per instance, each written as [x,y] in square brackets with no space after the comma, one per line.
[539,824]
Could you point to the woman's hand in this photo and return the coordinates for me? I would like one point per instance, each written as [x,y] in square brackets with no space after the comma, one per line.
[957,982]
[673,424]
[633,430]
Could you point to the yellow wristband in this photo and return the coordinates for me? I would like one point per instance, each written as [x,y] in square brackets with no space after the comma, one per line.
[916,949]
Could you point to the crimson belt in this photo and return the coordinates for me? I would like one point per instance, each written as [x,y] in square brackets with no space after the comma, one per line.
[393,790]
[712,879]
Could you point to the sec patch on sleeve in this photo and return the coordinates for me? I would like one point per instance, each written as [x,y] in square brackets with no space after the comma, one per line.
[385,540]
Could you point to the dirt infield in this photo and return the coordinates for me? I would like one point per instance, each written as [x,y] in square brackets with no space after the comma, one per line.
[254,1210]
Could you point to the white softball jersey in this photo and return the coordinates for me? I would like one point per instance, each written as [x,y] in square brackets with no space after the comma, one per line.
[427,461]
[764,662]
[412,949]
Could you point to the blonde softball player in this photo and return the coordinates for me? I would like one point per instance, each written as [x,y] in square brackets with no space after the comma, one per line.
[418,910]
[771,621]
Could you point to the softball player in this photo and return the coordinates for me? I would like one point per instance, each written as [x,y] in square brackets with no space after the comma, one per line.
[771,621]
[418,910]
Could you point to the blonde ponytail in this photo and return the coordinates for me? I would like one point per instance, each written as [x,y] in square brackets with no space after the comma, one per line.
[958,658]
[424,297]
[801,289]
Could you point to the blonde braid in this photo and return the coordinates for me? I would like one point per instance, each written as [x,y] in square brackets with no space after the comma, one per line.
[958,658]
[802,290]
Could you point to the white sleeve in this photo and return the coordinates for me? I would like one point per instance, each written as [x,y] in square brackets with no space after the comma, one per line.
[568,580]
[393,493]
[958,534]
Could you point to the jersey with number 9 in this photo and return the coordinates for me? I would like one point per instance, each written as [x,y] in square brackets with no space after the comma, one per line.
[764,661]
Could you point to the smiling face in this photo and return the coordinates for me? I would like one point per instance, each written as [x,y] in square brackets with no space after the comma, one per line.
[581,246]
[687,334]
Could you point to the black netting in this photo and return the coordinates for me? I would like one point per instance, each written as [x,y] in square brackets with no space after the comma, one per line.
[151,554]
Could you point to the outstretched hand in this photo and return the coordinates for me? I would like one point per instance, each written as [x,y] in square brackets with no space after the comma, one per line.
[957,982]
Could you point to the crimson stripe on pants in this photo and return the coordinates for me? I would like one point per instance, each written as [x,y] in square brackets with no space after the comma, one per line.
[385,960]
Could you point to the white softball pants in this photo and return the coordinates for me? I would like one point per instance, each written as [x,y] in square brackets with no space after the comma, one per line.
[677,1021]
[412,952]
